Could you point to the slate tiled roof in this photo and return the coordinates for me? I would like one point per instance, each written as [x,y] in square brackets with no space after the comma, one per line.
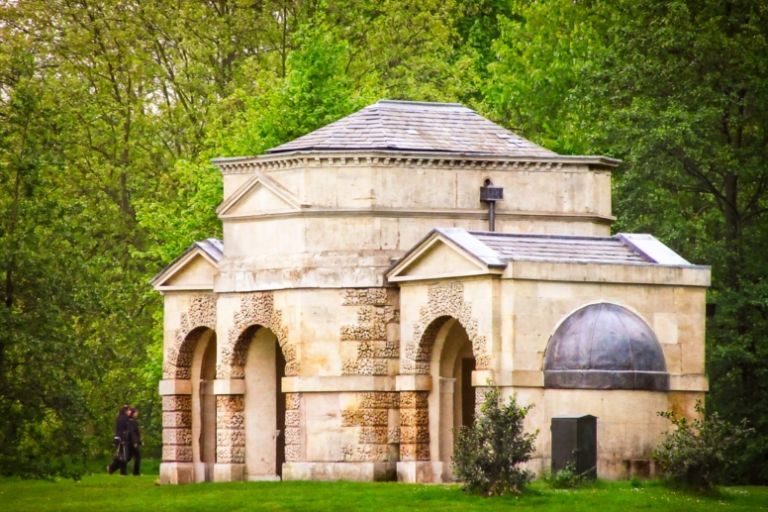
[494,247]
[213,247]
[416,126]
[561,248]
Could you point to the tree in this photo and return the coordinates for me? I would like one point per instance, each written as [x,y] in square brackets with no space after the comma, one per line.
[678,91]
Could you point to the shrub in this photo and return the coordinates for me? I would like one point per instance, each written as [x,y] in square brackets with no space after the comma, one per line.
[488,453]
[699,453]
[566,478]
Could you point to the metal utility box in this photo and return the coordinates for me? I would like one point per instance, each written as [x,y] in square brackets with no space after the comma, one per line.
[491,194]
[574,440]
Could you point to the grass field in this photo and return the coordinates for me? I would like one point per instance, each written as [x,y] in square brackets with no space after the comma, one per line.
[115,493]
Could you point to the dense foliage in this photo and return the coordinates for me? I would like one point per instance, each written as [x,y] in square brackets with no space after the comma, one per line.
[488,455]
[700,453]
[111,109]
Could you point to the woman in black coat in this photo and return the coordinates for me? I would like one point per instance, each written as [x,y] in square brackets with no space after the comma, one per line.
[121,442]
[134,441]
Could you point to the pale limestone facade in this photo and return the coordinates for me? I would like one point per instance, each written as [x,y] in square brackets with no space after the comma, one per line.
[337,334]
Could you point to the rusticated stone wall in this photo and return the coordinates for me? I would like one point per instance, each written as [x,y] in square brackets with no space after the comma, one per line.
[255,309]
[230,429]
[445,300]
[294,449]
[200,316]
[414,426]
[177,428]
[377,433]
[376,333]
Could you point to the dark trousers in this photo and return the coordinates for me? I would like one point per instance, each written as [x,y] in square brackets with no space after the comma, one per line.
[134,452]
[119,461]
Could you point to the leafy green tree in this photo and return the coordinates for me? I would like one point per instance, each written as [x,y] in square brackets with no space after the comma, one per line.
[677,90]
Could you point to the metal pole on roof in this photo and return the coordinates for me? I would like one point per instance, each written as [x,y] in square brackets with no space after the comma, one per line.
[491,215]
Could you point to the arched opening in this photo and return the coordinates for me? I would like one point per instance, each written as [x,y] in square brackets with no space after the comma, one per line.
[204,405]
[452,400]
[264,404]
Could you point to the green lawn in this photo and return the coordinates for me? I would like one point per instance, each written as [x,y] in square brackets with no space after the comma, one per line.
[115,493]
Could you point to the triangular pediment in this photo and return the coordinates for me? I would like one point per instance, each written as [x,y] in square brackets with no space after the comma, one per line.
[257,196]
[439,256]
[194,270]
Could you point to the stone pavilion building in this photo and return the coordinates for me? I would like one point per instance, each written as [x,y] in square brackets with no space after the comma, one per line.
[377,275]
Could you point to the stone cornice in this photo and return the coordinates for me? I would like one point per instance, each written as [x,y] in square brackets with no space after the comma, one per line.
[244,165]
[425,213]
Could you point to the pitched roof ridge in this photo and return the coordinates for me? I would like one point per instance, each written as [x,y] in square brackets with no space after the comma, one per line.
[544,236]
[382,126]
[399,125]
[424,103]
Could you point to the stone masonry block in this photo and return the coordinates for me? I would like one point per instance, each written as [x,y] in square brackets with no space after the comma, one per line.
[230,437]
[235,420]
[177,419]
[413,400]
[177,453]
[230,454]
[292,435]
[373,435]
[293,453]
[380,400]
[292,401]
[351,417]
[177,403]
[229,403]
[375,417]
[292,418]
[181,436]
[414,417]
[413,435]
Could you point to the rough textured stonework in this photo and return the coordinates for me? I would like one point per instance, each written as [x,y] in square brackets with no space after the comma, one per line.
[177,428]
[375,333]
[444,301]
[230,429]
[375,432]
[255,309]
[176,453]
[414,426]
[178,357]
[293,439]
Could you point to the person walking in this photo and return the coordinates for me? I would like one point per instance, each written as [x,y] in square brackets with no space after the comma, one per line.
[120,458]
[134,441]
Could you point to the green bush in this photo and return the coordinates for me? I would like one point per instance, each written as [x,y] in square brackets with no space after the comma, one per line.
[700,453]
[487,454]
[566,478]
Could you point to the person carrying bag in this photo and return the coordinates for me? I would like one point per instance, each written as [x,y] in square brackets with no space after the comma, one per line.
[120,441]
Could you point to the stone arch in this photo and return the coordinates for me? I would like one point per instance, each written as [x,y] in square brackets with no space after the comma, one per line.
[445,301]
[256,309]
[194,323]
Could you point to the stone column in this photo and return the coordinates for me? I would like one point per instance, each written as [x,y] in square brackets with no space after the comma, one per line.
[230,430]
[176,466]
[415,463]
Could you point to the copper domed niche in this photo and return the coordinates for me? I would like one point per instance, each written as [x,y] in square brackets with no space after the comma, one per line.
[605,346]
